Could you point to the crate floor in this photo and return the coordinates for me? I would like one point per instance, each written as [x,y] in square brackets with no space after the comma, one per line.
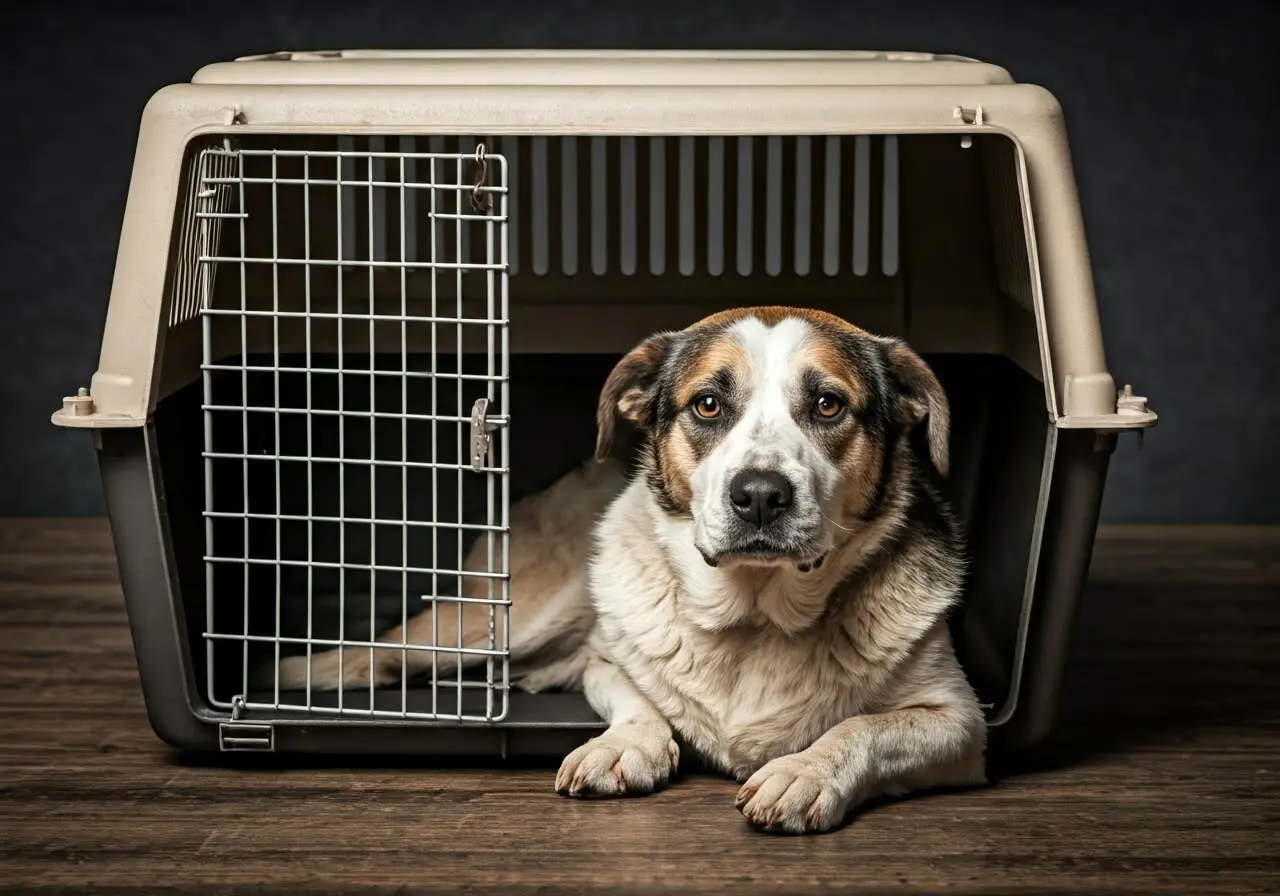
[1164,778]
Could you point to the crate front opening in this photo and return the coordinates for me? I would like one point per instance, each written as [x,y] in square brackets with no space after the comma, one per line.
[338,304]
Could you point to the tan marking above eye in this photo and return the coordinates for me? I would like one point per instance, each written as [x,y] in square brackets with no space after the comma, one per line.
[828,405]
[837,369]
[707,406]
[713,360]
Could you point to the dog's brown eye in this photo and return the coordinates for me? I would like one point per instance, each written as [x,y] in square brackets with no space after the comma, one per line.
[707,406]
[828,406]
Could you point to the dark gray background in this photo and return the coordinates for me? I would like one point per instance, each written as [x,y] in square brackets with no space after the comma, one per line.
[1171,114]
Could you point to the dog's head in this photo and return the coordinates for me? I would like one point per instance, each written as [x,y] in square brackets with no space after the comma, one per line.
[774,429]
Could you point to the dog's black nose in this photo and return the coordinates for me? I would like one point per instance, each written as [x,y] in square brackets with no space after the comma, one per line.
[760,496]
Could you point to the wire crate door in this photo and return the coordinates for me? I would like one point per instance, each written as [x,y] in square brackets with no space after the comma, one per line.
[356,416]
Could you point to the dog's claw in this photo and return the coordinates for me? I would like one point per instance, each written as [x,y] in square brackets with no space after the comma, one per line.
[788,795]
[617,764]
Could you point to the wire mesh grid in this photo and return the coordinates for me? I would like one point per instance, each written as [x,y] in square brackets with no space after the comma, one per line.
[352,447]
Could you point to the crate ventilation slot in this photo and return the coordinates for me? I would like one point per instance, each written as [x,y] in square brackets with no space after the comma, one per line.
[635,206]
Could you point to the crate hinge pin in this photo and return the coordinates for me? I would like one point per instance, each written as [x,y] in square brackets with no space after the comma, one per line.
[974,117]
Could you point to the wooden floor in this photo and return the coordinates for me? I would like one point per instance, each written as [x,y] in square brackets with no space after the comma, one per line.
[1164,779]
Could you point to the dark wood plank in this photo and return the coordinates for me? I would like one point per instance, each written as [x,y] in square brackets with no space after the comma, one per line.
[1163,778]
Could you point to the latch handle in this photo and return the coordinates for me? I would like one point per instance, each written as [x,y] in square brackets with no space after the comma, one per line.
[480,429]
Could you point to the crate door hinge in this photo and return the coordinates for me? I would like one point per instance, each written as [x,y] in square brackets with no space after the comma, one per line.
[481,425]
[974,117]
[246,737]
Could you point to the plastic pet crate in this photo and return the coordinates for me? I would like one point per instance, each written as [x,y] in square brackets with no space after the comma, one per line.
[364,302]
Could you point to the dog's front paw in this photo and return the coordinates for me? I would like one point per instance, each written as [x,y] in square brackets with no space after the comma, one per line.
[625,761]
[794,795]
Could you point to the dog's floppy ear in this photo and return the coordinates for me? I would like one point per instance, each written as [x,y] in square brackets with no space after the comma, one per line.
[630,391]
[919,397]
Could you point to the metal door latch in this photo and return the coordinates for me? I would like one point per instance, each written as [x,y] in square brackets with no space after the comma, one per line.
[481,426]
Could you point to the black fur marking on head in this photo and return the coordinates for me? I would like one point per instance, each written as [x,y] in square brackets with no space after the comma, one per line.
[903,400]
[669,412]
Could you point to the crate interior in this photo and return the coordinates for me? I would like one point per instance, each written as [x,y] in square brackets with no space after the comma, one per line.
[606,240]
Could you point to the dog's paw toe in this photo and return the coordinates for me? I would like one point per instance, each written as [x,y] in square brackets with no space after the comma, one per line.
[789,795]
[618,764]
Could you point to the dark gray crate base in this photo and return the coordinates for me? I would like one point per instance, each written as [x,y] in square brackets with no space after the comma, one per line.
[540,727]
[556,708]
[153,489]
[477,746]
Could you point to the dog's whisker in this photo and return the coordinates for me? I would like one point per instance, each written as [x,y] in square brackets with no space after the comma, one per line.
[834,523]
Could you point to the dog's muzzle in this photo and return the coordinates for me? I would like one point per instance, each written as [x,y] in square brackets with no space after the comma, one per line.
[767,520]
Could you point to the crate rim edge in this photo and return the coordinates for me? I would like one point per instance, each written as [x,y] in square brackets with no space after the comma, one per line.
[1082,393]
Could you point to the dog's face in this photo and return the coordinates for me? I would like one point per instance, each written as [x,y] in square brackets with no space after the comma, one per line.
[774,429]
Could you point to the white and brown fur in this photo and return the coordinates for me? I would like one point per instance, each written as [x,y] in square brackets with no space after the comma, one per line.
[807,656]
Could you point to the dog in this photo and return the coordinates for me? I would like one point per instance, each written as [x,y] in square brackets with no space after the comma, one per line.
[769,585]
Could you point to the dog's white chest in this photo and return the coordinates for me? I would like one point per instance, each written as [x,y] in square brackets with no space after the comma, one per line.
[762,696]
[740,697]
